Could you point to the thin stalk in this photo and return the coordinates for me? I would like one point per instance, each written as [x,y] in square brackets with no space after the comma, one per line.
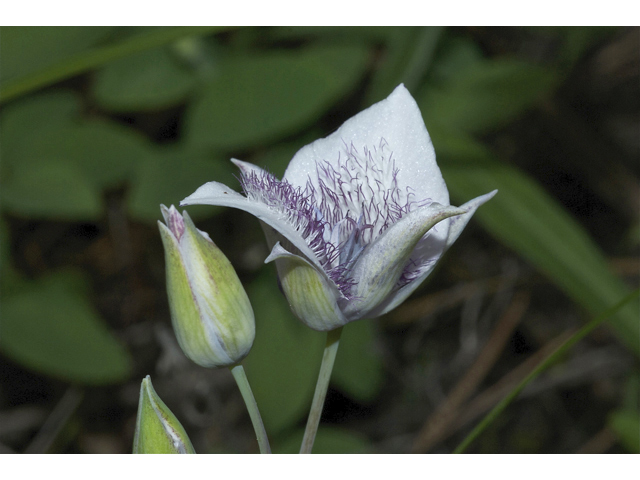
[328,359]
[252,407]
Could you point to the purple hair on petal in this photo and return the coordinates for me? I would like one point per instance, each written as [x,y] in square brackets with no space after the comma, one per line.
[356,199]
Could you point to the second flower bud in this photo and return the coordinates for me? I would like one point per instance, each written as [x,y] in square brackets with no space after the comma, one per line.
[210,311]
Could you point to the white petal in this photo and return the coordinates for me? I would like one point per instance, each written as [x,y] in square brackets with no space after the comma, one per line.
[311,294]
[165,213]
[215,193]
[398,121]
[247,167]
[457,224]
[377,270]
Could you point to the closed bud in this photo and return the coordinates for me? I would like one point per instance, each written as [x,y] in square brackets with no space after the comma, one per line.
[157,428]
[210,311]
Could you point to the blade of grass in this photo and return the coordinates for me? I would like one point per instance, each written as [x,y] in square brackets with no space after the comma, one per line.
[550,360]
[450,409]
[82,62]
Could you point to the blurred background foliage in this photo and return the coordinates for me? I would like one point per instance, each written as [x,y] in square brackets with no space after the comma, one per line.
[100,125]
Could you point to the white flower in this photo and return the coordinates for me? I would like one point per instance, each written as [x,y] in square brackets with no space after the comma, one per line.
[352,224]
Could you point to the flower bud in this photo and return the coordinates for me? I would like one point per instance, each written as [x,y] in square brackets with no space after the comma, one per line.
[210,311]
[157,429]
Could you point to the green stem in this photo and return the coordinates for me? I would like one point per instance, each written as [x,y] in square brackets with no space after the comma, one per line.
[328,358]
[252,407]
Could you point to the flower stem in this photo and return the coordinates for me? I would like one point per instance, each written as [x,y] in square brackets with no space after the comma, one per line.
[252,407]
[328,358]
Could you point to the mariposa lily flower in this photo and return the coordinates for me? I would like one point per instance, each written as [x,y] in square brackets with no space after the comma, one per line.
[359,219]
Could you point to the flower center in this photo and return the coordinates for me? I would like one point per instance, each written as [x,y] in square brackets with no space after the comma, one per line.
[347,205]
[360,193]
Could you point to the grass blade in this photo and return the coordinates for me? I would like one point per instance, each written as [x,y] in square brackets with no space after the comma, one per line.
[550,360]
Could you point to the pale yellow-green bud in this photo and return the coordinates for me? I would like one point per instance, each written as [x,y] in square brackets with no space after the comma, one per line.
[157,428]
[210,311]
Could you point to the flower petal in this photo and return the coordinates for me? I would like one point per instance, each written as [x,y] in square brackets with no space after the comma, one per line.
[396,120]
[457,224]
[246,167]
[215,193]
[377,270]
[311,294]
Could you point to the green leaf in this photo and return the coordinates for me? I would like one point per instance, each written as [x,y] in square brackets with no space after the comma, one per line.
[50,188]
[259,99]
[485,95]
[52,72]
[524,217]
[55,167]
[105,152]
[358,369]
[328,440]
[171,176]
[25,50]
[52,328]
[626,424]
[285,359]
[145,81]
[25,119]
